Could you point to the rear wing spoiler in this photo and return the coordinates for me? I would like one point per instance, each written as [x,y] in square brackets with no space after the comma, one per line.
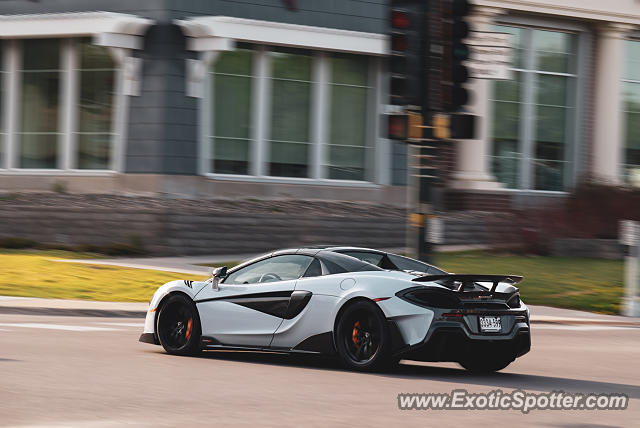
[467,280]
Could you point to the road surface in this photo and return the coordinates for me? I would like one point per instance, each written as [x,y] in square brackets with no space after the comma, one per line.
[93,372]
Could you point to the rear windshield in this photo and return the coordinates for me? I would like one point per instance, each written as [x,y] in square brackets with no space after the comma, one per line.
[340,263]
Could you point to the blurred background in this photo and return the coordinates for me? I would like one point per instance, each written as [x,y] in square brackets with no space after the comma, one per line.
[143,141]
[179,128]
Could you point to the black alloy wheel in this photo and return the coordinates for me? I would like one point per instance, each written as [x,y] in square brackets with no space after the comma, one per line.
[178,326]
[362,337]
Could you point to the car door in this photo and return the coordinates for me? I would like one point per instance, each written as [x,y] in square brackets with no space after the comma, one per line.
[250,302]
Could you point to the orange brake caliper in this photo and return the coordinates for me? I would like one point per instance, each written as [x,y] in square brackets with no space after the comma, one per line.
[354,333]
[189,328]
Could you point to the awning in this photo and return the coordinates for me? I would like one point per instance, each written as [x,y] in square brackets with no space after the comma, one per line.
[208,33]
[107,28]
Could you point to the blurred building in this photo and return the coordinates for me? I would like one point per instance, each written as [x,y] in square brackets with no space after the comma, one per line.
[271,98]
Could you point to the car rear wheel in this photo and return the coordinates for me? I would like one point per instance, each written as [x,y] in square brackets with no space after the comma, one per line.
[178,326]
[362,337]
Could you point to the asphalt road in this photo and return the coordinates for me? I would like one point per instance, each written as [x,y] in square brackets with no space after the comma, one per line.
[92,372]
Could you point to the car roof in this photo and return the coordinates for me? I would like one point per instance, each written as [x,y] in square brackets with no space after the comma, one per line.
[323,253]
[346,248]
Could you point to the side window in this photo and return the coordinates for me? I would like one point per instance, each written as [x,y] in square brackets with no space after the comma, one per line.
[332,267]
[314,269]
[278,268]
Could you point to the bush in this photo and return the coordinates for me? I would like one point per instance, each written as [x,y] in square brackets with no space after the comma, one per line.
[133,247]
[592,211]
[17,243]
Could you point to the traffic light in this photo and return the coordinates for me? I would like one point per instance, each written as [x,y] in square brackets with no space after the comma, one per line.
[397,126]
[454,73]
[455,126]
[404,126]
[407,25]
[462,126]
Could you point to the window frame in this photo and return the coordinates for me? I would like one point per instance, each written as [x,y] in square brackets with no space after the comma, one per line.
[624,165]
[575,150]
[68,130]
[318,133]
[75,81]
[5,86]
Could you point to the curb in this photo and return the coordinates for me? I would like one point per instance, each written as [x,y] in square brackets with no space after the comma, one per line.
[572,321]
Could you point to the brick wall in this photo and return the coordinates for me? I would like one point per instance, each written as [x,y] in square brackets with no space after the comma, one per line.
[178,233]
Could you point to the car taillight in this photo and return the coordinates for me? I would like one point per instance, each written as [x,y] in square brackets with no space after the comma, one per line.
[431,297]
[514,302]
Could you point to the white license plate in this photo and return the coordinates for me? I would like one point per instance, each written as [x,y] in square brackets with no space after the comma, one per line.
[490,324]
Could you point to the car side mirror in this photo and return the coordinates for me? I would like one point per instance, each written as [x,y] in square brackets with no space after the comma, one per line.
[216,275]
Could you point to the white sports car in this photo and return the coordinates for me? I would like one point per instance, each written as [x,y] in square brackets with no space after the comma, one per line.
[369,308]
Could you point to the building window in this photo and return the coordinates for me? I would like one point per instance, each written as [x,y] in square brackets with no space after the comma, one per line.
[290,113]
[533,112]
[631,112]
[283,112]
[62,109]
[3,125]
[94,134]
[349,97]
[39,132]
[230,144]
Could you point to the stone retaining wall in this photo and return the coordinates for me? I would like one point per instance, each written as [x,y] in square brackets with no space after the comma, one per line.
[184,227]
[187,226]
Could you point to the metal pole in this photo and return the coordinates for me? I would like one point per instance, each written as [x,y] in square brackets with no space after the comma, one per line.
[412,204]
[631,299]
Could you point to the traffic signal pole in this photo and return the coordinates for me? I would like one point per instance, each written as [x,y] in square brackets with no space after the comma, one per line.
[427,78]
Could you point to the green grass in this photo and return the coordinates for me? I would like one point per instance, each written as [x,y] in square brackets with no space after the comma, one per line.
[35,274]
[586,284]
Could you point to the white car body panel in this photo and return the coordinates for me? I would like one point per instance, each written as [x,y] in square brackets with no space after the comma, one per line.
[312,318]
[234,324]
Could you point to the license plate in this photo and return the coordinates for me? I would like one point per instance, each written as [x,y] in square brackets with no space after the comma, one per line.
[490,324]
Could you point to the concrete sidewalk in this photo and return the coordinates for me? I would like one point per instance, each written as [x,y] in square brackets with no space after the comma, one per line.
[549,315]
[61,307]
[64,307]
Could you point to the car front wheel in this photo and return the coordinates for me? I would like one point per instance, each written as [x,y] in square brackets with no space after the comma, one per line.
[178,326]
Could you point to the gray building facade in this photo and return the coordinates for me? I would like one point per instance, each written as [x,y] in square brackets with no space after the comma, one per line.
[161,148]
[285,99]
